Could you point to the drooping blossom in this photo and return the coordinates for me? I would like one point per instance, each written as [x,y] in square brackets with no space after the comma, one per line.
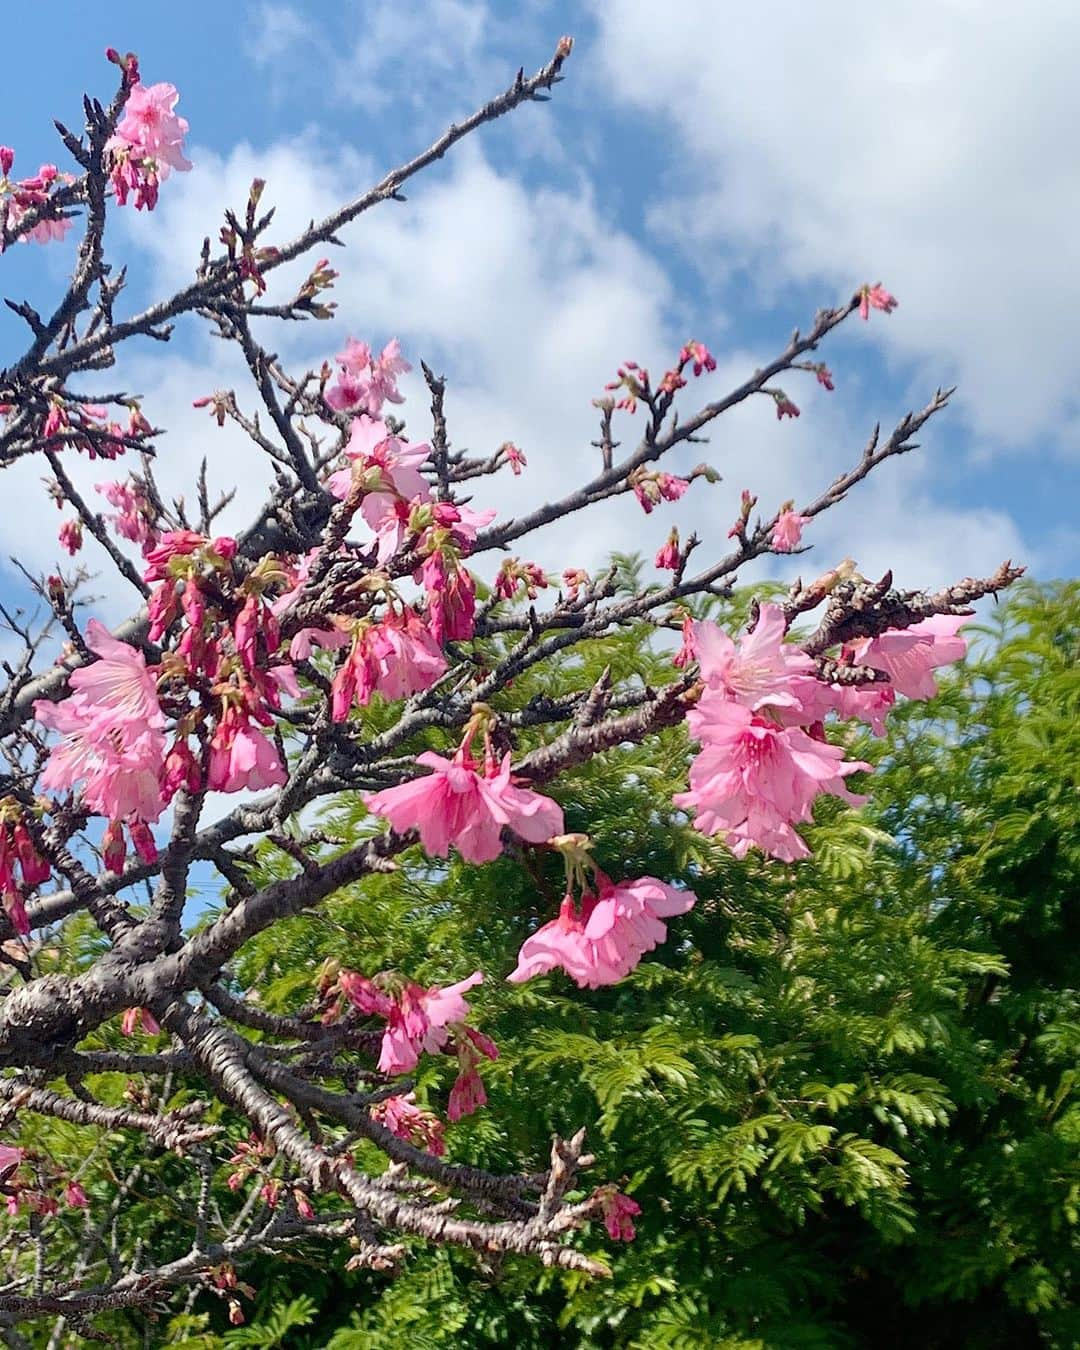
[702,358]
[403,1118]
[603,941]
[468,1095]
[908,655]
[418,1020]
[75,1196]
[134,513]
[451,598]
[147,144]
[110,732]
[70,535]
[619,1212]
[753,780]
[513,456]
[787,532]
[875,297]
[136,1019]
[459,806]
[667,555]
[784,405]
[242,758]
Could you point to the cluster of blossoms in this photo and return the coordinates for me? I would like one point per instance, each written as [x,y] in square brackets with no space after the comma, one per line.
[88,427]
[467,804]
[253,1158]
[22,868]
[418,1021]
[364,381]
[148,142]
[42,1196]
[18,197]
[759,720]
[634,379]
[600,938]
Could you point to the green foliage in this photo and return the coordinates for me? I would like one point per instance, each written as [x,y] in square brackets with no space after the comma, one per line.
[844,1092]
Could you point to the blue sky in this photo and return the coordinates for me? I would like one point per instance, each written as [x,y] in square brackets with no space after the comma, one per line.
[716,172]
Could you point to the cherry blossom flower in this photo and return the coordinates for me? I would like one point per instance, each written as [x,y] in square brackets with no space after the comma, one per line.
[667,555]
[619,1211]
[603,942]
[147,144]
[787,532]
[908,655]
[71,536]
[419,1020]
[110,732]
[242,758]
[754,779]
[875,297]
[763,670]
[456,805]
[136,1019]
[403,1118]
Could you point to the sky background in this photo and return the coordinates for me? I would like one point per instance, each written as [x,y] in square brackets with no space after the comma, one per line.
[720,172]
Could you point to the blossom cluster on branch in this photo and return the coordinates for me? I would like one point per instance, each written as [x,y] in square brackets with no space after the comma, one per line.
[253,664]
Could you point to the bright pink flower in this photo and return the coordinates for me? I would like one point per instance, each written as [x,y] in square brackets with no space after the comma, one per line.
[10,1158]
[875,297]
[134,513]
[468,1094]
[110,731]
[763,670]
[15,908]
[409,658]
[667,555]
[75,1196]
[870,703]
[71,536]
[404,1118]
[419,1022]
[908,655]
[824,376]
[671,488]
[619,1212]
[456,805]
[172,544]
[514,457]
[365,381]
[147,145]
[136,1018]
[603,942]
[118,683]
[242,758]
[787,532]
[181,770]
[451,598]
[784,405]
[697,352]
[753,779]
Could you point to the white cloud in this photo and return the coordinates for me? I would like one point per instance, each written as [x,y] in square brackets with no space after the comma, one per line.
[926,144]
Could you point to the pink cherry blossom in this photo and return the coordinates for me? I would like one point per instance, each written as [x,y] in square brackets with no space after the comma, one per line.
[619,1211]
[110,732]
[147,144]
[763,670]
[419,1023]
[667,555]
[135,1019]
[71,536]
[75,1196]
[242,758]
[787,532]
[908,655]
[753,779]
[875,297]
[603,942]
[402,1117]
[456,805]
